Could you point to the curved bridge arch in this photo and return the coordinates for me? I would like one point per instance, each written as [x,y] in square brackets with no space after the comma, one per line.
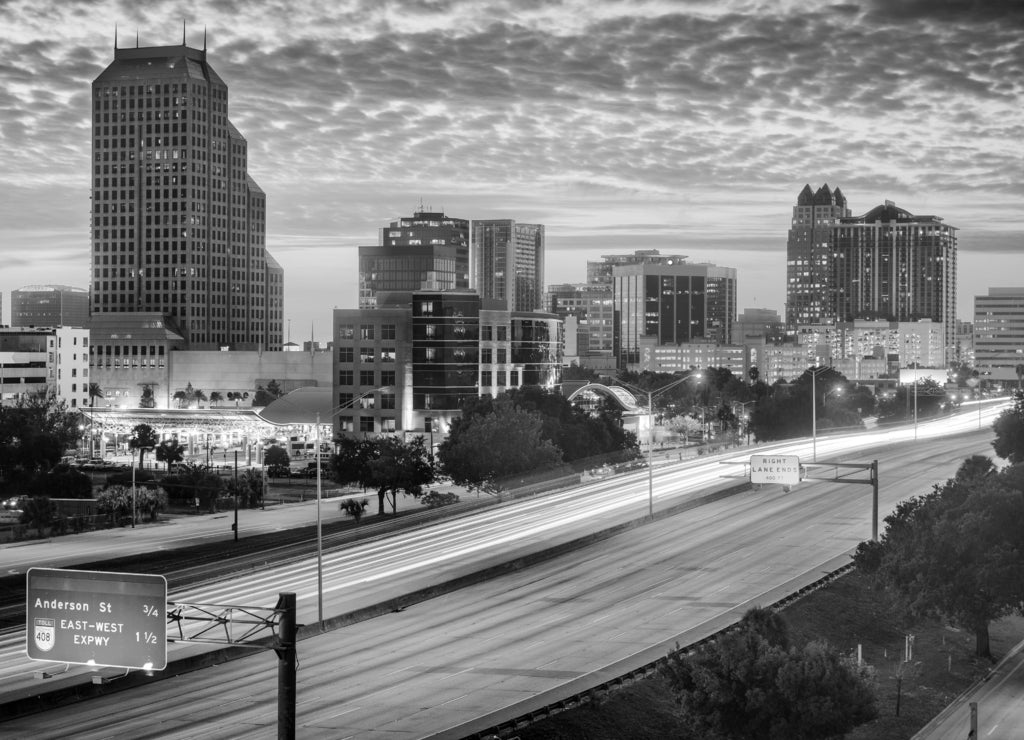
[625,400]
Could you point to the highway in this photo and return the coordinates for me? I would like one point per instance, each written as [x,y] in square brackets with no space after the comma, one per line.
[1000,700]
[443,663]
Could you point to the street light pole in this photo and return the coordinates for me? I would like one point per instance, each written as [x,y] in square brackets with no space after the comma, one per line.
[319,497]
[650,432]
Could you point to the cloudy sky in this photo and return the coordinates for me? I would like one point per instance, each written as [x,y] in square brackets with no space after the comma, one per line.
[684,126]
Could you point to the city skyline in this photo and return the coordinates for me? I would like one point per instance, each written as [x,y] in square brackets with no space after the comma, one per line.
[619,126]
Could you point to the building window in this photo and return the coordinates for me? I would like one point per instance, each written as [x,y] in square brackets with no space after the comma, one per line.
[387,400]
[387,331]
[345,377]
[502,355]
[366,331]
[346,354]
[387,424]
[387,354]
[502,333]
[485,378]
[346,424]
[344,399]
[485,356]
[387,377]
[486,333]
[366,354]
[501,377]
[346,331]
[366,377]
[365,423]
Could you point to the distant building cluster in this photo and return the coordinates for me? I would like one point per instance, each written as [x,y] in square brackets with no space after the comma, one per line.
[185,294]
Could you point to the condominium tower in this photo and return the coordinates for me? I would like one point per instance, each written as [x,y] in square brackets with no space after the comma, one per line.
[178,225]
[508,263]
[808,263]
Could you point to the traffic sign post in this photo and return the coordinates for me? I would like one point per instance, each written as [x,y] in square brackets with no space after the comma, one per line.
[98,619]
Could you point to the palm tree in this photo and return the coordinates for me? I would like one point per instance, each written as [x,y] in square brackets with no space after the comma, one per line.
[94,392]
[180,397]
[143,439]
[1020,375]
[216,398]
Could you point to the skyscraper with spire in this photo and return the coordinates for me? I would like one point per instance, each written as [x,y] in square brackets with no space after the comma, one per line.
[808,263]
[178,225]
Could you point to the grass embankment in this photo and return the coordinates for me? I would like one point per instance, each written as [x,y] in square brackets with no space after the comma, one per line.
[848,612]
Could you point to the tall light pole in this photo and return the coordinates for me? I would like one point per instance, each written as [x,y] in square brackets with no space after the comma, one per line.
[319,496]
[650,431]
[815,372]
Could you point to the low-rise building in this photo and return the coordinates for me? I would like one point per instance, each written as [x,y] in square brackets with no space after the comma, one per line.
[53,362]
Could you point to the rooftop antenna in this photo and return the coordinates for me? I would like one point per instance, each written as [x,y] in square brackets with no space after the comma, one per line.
[136,38]
[204,38]
[115,37]
[183,32]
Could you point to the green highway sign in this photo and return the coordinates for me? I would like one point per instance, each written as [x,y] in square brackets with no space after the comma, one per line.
[95,618]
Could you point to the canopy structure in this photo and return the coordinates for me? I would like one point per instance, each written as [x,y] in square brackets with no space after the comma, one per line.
[300,407]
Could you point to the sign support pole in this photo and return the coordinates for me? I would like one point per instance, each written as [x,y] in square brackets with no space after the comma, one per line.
[287,661]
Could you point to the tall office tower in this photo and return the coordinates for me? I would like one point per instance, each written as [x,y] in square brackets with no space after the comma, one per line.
[508,263]
[808,267]
[429,251]
[674,301]
[50,305]
[178,225]
[890,264]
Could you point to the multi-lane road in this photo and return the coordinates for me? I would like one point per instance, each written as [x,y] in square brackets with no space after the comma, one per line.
[493,649]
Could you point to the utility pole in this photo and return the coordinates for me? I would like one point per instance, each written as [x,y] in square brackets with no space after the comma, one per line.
[235,525]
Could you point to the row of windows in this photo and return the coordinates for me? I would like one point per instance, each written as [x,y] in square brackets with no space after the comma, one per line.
[367,377]
[366,331]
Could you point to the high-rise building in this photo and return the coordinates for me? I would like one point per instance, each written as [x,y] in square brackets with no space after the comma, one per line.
[999,334]
[178,225]
[429,251]
[508,263]
[674,301]
[50,305]
[592,307]
[808,264]
[890,264]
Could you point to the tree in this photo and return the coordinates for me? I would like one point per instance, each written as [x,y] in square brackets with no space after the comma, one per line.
[484,448]
[277,461]
[33,436]
[94,392]
[39,512]
[146,400]
[386,464]
[194,483]
[1009,431]
[170,451]
[353,508]
[955,552]
[143,439]
[264,396]
[748,683]
[61,482]
[215,398]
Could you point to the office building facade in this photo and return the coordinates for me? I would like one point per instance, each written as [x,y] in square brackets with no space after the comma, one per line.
[428,251]
[892,265]
[673,301]
[508,263]
[51,362]
[808,255]
[178,224]
[50,305]
[999,335]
